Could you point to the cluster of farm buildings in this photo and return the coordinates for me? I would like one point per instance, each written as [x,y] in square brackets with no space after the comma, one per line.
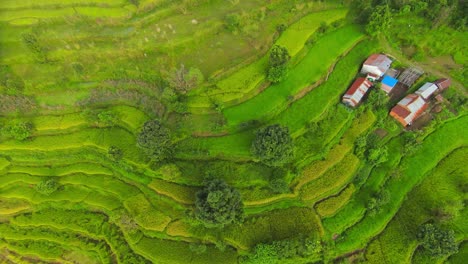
[378,68]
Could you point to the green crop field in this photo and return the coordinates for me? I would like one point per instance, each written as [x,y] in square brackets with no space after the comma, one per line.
[212,131]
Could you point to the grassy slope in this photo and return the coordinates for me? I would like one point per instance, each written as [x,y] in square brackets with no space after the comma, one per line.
[275,98]
[438,144]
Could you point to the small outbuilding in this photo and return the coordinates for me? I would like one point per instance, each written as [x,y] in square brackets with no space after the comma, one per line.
[443,84]
[376,64]
[356,92]
[427,90]
[409,109]
[388,83]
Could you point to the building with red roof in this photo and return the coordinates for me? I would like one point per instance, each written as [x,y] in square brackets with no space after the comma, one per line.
[443,84]
[356,92]
[409,109]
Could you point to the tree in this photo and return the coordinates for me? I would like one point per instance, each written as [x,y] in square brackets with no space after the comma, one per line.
[273,145]
[278,63]
[218,204]
[379,21]
[436,241]
[19,131]
[115,153]
[183,79]
[108,118]
[47,186]
[155,140]
[263,254]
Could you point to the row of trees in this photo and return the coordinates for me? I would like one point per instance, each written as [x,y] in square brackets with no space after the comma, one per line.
[378,14]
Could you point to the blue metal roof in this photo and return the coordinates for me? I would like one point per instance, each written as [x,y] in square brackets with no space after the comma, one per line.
[390,81]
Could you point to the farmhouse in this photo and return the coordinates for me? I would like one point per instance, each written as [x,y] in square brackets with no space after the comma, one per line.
[442,84]
[356,92]
[376,64]
[409,109]
[427,90]
[388,83]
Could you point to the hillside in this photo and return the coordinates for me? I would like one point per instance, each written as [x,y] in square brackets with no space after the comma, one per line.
[213,131]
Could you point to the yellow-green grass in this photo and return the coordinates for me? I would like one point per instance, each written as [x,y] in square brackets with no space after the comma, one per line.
[133,117]
[178,228]
[14,4]
[332,204]
[414,168]
[317,101]
[101,138]
[3,163]
[245,80]
[301,112]
[69,193]
[440,188]
[93,225]
[315,143]
[180,193]
[145,214]
[461,256]
[44,250]
[85,167]
[338,152]
[353,211]
[13,206]
[167,251]
[274,225]
[309,70]
[294,37]
[235,146]
[57,122]
[113,12]
[64,239]
[332,180]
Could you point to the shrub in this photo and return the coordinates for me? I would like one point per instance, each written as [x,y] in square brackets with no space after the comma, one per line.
[109,118]
[155,140]
[19,131]
[47,186]
[232,22]
[218,204]
[115,153]
[437,242]
[278,63]
[197,248]
[273,145]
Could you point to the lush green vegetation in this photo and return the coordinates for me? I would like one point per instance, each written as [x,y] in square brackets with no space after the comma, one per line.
[211,131]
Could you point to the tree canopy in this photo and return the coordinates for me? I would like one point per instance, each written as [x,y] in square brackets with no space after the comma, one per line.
[47,186]
[155,140]
[273,145]
[218,204]
[436,241]
[278,63]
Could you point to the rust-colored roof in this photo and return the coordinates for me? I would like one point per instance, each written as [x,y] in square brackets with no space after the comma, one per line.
[408,109]
[443,83]
[400,111]
[357,83]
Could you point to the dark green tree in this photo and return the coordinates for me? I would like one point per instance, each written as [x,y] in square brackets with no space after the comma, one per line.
[155,140]
[273,145]
[436,241]
[218,204]
[278,63]
[379,21]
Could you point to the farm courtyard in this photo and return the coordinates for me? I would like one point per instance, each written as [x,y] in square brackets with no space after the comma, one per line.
[233,131]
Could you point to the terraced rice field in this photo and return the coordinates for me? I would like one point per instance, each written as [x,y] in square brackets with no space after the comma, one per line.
[73,65]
